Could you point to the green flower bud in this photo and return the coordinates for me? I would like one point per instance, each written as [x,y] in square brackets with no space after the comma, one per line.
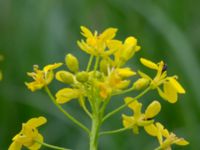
[65,77]
[104,66]
[140,83]
[82,76]
[72,63]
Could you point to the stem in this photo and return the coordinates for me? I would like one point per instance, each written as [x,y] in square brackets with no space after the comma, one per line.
[96,63]
[65,112]
[124,105]
[94,134]
[96,122]
[51,146]
[86,110]
[114,131]
[89,63]
[125,91]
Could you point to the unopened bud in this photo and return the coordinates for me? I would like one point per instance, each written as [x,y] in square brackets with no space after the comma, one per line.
[104,66]
[72,63]
[82,76]
[141,83]
[65,77]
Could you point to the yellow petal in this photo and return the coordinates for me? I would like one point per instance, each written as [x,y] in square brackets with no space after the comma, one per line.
[171,92]
[151,130]
[108,34]
[15,146]
[52,67]
[135,106]
[36,145]
[67,94]
[176,85]
[149,64]
[86,32]
[125,72]
[122,84]
[128,121]
[36,122]
[153,109]
[181,142]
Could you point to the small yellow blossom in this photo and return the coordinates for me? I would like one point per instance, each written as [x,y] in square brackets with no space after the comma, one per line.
[29,135]
[165,138]
[126,51]
[171,87]
[41,77]
[98,45]
[67,94]
[139,118]
[115,81]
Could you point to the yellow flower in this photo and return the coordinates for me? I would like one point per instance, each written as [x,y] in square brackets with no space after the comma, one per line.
[165,138]
[171,87]
[67,94]
[115,81]
[41,77]
[98,45]
[139,118]
[125,51]
[29,135]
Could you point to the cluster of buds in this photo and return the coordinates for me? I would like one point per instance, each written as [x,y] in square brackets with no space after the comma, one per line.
[105,76]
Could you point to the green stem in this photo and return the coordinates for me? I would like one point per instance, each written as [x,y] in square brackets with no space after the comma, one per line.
[89,63]
[114,131]
[125,91]
[86,110]
[104,106]
[51,146]
[124,105]
[94,134]
[65,112]
[96,63]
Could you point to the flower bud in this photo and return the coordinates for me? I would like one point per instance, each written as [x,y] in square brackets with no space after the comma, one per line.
[67,94]
[153,109]
[72,63]
[82,76]
[140,83]
[65,77]
[104,66]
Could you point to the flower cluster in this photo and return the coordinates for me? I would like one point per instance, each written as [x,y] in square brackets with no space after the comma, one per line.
[105,76]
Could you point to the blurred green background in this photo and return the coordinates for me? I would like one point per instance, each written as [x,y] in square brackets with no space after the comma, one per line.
[44,31]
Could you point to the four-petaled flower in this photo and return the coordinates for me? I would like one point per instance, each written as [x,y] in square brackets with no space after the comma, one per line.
[99,45]
[140,119]
[171,87]
[29,136]
[165,138]
[41,77]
